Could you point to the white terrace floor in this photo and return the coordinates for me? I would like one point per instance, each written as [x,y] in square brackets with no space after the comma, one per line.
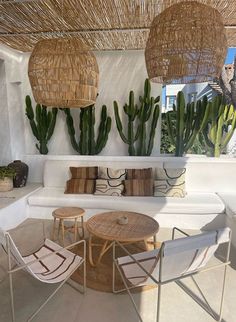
[71,306]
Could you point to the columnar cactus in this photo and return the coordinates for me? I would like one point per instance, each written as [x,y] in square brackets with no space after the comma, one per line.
[44,125]
[189,122]
[137,119]
[87,144]
[220,126]
[131,110]
[148,108]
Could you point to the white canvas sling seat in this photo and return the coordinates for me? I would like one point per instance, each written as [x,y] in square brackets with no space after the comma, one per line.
[176,259]
[50,263]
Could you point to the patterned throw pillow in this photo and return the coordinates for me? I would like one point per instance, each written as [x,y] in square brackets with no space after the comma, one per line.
[84,172]
[80,186]
[139,173]
[109,173]
[139,187]
[169,173]
[109,187]
[170,182]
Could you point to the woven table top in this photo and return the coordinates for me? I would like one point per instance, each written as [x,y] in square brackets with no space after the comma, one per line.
[139,226]
[68,212]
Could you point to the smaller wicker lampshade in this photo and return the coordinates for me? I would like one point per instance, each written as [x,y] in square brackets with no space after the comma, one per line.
[186,44]
[63,73]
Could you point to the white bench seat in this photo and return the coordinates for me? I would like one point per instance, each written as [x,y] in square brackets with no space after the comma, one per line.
[193,203]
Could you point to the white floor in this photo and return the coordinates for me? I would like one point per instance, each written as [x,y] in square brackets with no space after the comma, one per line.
[71,306]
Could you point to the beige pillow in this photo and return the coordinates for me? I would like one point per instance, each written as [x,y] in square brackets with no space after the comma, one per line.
[110,173]
[169,188]
[109,187]
[169,173]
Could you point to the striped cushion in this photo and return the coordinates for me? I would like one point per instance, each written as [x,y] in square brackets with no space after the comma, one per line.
[139,173]
[84,172]
[80,186]
[142,187]
[109,187]
[54,268]
[109,173]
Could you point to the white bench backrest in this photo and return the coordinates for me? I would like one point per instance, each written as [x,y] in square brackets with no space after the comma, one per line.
[205,175]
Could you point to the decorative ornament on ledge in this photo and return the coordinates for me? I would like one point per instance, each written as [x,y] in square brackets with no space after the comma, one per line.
[186,44]
[63,73]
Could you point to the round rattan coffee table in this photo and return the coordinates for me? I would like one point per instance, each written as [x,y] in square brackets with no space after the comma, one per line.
[68,213]
[140,227]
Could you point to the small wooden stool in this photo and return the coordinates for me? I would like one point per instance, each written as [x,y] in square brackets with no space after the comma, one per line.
[67,213]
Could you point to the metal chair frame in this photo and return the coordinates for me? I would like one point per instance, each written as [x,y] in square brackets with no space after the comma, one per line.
[177,280]
[22,267]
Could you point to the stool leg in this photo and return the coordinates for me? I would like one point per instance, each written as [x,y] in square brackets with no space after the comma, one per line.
[54,229]
[58,231]
[63,231]
[76,229]
[82,226]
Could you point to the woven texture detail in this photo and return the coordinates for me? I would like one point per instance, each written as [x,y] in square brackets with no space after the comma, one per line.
[63,73]
[186,44]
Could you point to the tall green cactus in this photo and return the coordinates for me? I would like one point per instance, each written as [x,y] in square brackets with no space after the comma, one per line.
[190,120]
[87,144]
[45,123]
[131,110]
[137,119]
[149,107]
[220,126]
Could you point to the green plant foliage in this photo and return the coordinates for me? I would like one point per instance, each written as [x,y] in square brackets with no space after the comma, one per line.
[219,127]
[87,144]
[190,119]
[138,118]
[6,171]
[42,123]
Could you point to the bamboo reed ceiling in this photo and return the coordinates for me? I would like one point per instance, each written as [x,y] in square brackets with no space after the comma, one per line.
[101,24]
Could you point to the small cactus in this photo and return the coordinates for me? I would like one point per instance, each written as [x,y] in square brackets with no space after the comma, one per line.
[189,120]
[131,110]
[87,144]
[220,126]
[44,125]
[137,119]
[149,107]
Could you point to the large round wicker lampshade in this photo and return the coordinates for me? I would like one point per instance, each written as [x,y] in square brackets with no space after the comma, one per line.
[63,73]
[186,44]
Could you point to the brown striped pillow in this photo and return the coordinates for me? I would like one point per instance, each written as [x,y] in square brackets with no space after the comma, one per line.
[139,187]
[139,173]
[84,172]
[80,186]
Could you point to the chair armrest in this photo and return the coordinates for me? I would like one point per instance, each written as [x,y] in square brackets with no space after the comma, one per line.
[180,231]
[134,260]
[48,255]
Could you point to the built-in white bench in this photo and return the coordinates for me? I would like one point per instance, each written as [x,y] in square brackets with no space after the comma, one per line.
[210,184]
[201,208]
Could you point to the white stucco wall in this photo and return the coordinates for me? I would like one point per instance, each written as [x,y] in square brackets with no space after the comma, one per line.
[119,72]
[11,114]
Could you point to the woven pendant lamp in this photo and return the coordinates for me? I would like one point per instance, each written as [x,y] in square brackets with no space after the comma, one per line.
[186,44]
[63,73]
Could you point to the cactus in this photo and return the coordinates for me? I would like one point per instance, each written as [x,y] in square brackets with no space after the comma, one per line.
[131,110]
[44,125]
[87,144]
[148,107]
[189,122]
[220,126]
